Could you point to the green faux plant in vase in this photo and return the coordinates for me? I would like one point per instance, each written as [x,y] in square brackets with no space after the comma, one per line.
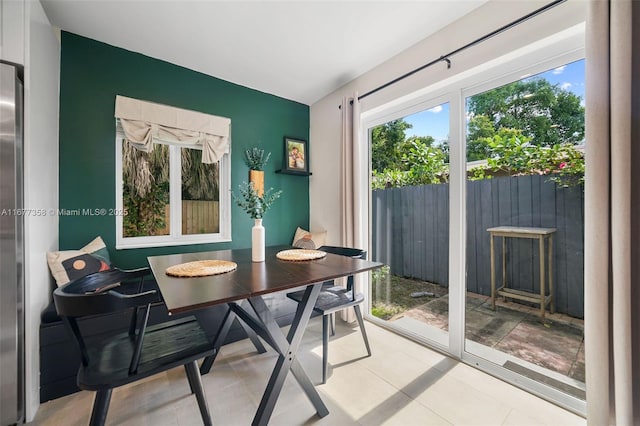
[252,203]
[256,159]
[255,206]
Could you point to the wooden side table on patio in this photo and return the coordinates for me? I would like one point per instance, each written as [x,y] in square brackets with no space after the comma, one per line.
[541,234]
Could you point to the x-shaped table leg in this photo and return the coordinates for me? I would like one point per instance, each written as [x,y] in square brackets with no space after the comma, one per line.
[287,347]
[221,336]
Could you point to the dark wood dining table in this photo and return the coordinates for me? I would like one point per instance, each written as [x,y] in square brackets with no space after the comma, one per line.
[242,290]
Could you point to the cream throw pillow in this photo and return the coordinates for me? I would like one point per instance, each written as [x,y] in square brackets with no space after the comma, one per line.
[309,240]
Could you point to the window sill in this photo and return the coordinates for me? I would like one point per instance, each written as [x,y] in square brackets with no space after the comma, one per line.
[140,243]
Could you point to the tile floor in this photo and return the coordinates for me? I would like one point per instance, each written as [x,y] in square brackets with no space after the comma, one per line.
[402,383]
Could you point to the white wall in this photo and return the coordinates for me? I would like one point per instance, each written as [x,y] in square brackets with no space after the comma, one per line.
[42,76]
[325,133]
[12,30]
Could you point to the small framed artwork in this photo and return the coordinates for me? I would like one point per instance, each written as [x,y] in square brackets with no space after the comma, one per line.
[296,156]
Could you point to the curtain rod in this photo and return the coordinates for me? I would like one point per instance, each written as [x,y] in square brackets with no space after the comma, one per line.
[445,58]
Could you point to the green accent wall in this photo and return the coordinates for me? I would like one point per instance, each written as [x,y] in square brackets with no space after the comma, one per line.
[93,73]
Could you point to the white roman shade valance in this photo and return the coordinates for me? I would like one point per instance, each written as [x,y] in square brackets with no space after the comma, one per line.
[143,122]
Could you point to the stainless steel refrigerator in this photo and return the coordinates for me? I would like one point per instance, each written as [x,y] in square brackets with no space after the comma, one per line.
[11,246]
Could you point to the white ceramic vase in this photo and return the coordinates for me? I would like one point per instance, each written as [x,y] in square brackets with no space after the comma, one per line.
[257,241]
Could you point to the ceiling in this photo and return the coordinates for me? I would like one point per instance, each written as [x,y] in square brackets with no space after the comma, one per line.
[300,49]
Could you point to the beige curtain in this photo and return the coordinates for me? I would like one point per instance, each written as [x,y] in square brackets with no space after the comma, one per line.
[351,185]
[612,214]
[143,122]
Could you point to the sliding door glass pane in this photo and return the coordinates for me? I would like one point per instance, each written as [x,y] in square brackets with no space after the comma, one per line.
[525,227]
[410,225]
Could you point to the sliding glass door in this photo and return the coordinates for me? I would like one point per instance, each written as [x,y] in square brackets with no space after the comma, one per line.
[477,213]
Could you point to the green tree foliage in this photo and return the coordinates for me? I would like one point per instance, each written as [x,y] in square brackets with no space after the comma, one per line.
[420,163]
[145,189]
[444,146]
[511,153]
[425,163]
[480,132]
[424,140]
[526,127]
[386,140]
[544,112]
[199,180]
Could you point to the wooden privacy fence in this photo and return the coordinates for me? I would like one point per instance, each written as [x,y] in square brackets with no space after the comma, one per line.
[411,234]
[198,217]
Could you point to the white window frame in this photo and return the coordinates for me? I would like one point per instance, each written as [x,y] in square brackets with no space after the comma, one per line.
[175,237]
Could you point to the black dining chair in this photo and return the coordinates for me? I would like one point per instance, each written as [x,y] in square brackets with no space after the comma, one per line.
[122,356]
[334,298]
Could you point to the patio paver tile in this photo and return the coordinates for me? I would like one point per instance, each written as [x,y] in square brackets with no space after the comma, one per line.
[554,348]
[514,328]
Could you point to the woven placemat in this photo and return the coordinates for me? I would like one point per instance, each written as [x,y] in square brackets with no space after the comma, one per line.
[201,268]
[300,255]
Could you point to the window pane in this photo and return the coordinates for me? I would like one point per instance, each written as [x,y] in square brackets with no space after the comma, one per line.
[145,191]
[200,194]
